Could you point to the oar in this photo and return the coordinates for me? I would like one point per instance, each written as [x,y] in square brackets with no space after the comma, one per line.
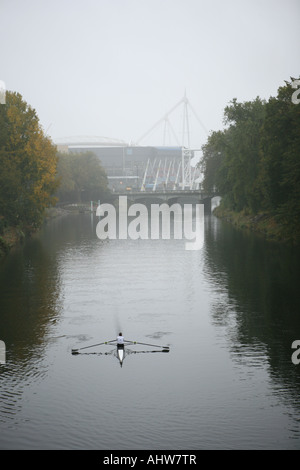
[153,345]
[75,351]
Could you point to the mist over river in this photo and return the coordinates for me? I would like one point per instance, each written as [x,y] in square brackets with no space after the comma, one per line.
[229,313]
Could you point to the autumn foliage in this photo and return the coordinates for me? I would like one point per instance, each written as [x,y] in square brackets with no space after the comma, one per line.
[27,165]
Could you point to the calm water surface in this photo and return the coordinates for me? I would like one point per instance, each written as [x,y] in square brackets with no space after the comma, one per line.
[229,313]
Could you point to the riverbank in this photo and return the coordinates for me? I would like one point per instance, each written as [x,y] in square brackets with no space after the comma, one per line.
[263,224]
[13,236]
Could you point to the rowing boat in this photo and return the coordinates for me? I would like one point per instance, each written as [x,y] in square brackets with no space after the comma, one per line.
[121,348]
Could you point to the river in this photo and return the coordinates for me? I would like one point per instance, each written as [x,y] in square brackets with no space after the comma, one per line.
[229,313]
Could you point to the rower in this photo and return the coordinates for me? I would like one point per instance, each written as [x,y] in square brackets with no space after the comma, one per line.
[120,341]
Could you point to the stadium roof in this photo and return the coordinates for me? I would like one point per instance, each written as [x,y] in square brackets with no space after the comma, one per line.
[89,141]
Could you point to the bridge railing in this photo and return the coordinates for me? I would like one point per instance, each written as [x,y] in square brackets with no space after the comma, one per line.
[174,192]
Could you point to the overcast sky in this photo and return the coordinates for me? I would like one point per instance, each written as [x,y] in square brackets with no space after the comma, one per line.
[114,67]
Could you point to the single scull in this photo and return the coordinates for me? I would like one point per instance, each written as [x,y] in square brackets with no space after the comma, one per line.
[121,347]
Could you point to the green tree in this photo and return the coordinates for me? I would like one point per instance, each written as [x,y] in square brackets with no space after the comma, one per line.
[255,161]
[82,177]
[242,155]
[27,162]
[211,161]
[230,157]
[280,163]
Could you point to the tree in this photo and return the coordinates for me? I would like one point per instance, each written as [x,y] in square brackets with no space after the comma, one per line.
[28,164]
[280,163]
[241,163]
[81,176]
[211,161]
[230,157]
[255,161]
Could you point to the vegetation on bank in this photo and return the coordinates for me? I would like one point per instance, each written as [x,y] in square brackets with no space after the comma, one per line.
[34,177]
[262,223]
[28,170]
[255,165]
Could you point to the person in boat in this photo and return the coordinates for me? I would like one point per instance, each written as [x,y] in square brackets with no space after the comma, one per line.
[120,341]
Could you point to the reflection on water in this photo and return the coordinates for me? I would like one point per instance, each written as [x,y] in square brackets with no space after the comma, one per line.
[29,305]
[229,312]
[258,297]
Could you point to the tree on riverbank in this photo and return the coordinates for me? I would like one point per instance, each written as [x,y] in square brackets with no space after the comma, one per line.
[236,153]
[28,165]
[81,177]
[255,161]
[279,177]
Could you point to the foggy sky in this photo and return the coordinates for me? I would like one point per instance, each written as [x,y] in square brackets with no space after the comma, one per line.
[114,67]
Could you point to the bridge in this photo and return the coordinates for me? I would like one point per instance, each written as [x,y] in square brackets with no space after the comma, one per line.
[169,197]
